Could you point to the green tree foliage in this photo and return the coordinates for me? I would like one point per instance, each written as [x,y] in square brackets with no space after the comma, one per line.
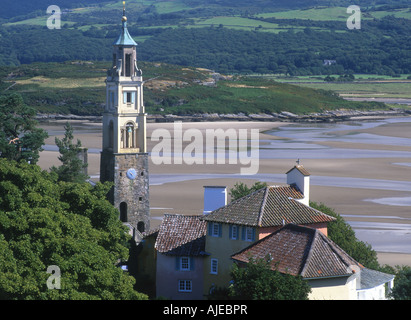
[72,168]
[257,281]
[240,189]
[45,223]
[402,288]
[20,139]
[381,47]
[342,234]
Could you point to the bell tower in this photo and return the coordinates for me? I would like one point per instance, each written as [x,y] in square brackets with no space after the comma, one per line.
[124,157]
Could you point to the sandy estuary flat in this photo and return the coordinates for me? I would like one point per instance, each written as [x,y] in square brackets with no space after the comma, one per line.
[362,169]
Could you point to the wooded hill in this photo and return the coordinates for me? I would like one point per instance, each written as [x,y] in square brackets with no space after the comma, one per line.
[279,37]
[78,87]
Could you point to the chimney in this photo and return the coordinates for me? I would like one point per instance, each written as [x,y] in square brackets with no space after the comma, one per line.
[300,177]
[214,197]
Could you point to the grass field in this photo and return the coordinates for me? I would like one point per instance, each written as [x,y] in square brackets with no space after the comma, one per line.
[170,6]
[235,22]
[62,83]
[366,89]
[319,14]
[365,85]
[399,13]
[334,14]
[240,23]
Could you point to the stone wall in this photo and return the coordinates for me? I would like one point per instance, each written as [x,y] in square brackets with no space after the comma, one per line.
[129,196]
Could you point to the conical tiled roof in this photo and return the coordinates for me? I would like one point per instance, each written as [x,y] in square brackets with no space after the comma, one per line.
[303,251]
[268,207]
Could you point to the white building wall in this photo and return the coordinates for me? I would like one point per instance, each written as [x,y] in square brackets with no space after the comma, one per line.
[376,293]
[302,182]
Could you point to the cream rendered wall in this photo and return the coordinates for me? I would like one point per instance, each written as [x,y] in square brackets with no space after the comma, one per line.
[338,288]
[221,248]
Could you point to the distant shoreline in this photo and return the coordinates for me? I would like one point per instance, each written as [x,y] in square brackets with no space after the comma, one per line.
[327,116]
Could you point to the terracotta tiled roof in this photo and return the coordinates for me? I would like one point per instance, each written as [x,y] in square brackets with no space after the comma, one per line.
[304,251]
[181,235]
[268,207]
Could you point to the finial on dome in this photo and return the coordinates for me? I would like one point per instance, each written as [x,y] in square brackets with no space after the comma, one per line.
[124,19]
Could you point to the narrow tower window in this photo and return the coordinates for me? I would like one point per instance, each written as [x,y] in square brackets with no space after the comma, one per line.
[111,135]
[141,226]
[123,212]
[128,65]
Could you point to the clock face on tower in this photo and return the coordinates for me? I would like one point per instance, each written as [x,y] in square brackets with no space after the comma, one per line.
[131,173]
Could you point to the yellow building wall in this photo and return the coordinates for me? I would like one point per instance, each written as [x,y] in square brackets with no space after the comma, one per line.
[221,248]
[342,288]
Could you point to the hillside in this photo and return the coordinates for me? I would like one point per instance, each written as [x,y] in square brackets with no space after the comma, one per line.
[277,37]
[19,8]
[63,71]
[78,87]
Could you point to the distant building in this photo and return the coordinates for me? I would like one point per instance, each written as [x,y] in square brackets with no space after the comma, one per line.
[329,62]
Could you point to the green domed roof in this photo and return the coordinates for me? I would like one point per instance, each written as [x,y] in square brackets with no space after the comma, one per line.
[125,39]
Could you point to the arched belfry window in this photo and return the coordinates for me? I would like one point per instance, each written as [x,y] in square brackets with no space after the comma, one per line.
[123,212]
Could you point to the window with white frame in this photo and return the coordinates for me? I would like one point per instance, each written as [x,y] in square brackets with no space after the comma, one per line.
[185,286]
[214,266]
[184,263]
